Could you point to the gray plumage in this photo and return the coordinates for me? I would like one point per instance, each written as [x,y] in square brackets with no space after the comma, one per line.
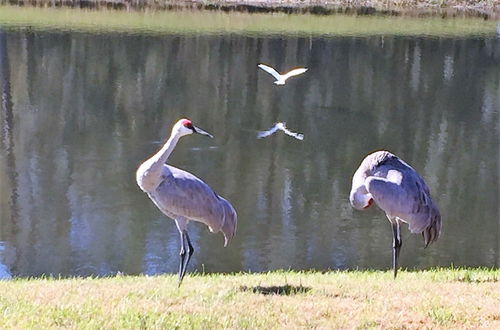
[183,197]
[400,192]
[181,194]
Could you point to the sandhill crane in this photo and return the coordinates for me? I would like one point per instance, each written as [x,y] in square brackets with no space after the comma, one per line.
[400,192]
[183,197]
[281,78]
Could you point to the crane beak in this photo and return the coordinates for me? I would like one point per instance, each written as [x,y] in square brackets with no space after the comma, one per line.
[202,132]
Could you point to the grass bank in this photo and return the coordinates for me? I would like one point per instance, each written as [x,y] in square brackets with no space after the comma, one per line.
[444,8]
[211,22]
[438,299]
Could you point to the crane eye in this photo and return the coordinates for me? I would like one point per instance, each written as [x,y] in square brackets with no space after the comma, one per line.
[187,123]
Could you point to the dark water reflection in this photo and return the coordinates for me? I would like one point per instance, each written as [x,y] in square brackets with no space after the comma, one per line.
[80,112]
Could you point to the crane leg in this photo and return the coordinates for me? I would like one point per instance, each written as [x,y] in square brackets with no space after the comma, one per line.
[182,256]
[186,256]
[396,245]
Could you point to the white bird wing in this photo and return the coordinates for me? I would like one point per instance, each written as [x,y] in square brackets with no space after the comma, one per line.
[294,72]
[298,136]
[182,194]
[270,70]
[272,130]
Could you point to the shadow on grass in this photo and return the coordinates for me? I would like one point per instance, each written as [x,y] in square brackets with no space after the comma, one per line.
[282,290]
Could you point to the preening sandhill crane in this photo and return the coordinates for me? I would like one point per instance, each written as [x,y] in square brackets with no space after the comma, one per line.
[281,78]
[401,193]
[183,197]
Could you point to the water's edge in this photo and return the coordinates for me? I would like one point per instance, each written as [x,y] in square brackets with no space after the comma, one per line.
[453,8]
[219,22]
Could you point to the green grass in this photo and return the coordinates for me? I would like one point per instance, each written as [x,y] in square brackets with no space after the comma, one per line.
[440,299]
[208,22]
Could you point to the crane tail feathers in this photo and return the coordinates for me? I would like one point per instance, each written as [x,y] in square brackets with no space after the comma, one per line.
[431,233]
[230,224]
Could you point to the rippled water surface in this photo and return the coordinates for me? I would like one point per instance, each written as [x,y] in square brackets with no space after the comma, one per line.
[81,111]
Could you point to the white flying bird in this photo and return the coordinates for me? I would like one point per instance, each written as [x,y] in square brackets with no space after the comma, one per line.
[279,126]
[281,78]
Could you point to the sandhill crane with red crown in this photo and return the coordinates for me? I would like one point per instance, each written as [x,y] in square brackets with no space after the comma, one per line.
[183,197]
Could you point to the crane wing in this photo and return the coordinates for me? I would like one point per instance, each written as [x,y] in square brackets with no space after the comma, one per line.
[402,193]
[294,72]
[182,194]
[270,70]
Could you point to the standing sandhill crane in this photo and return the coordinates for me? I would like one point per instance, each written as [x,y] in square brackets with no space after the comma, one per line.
[400,192]
[183,197]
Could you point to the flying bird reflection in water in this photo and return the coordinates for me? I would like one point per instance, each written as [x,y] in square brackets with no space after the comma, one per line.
[401,193]
[279,127]
[183,197]
[281,78]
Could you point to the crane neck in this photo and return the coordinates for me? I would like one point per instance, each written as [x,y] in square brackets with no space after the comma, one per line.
[162,155]
[149,174]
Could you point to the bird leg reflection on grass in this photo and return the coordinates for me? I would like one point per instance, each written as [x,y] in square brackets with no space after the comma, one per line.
[396,244]
[184,259]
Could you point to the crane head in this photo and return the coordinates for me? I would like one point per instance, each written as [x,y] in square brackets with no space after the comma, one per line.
[360,198]
[185,127]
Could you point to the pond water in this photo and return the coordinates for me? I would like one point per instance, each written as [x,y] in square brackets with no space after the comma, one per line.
[81,111]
